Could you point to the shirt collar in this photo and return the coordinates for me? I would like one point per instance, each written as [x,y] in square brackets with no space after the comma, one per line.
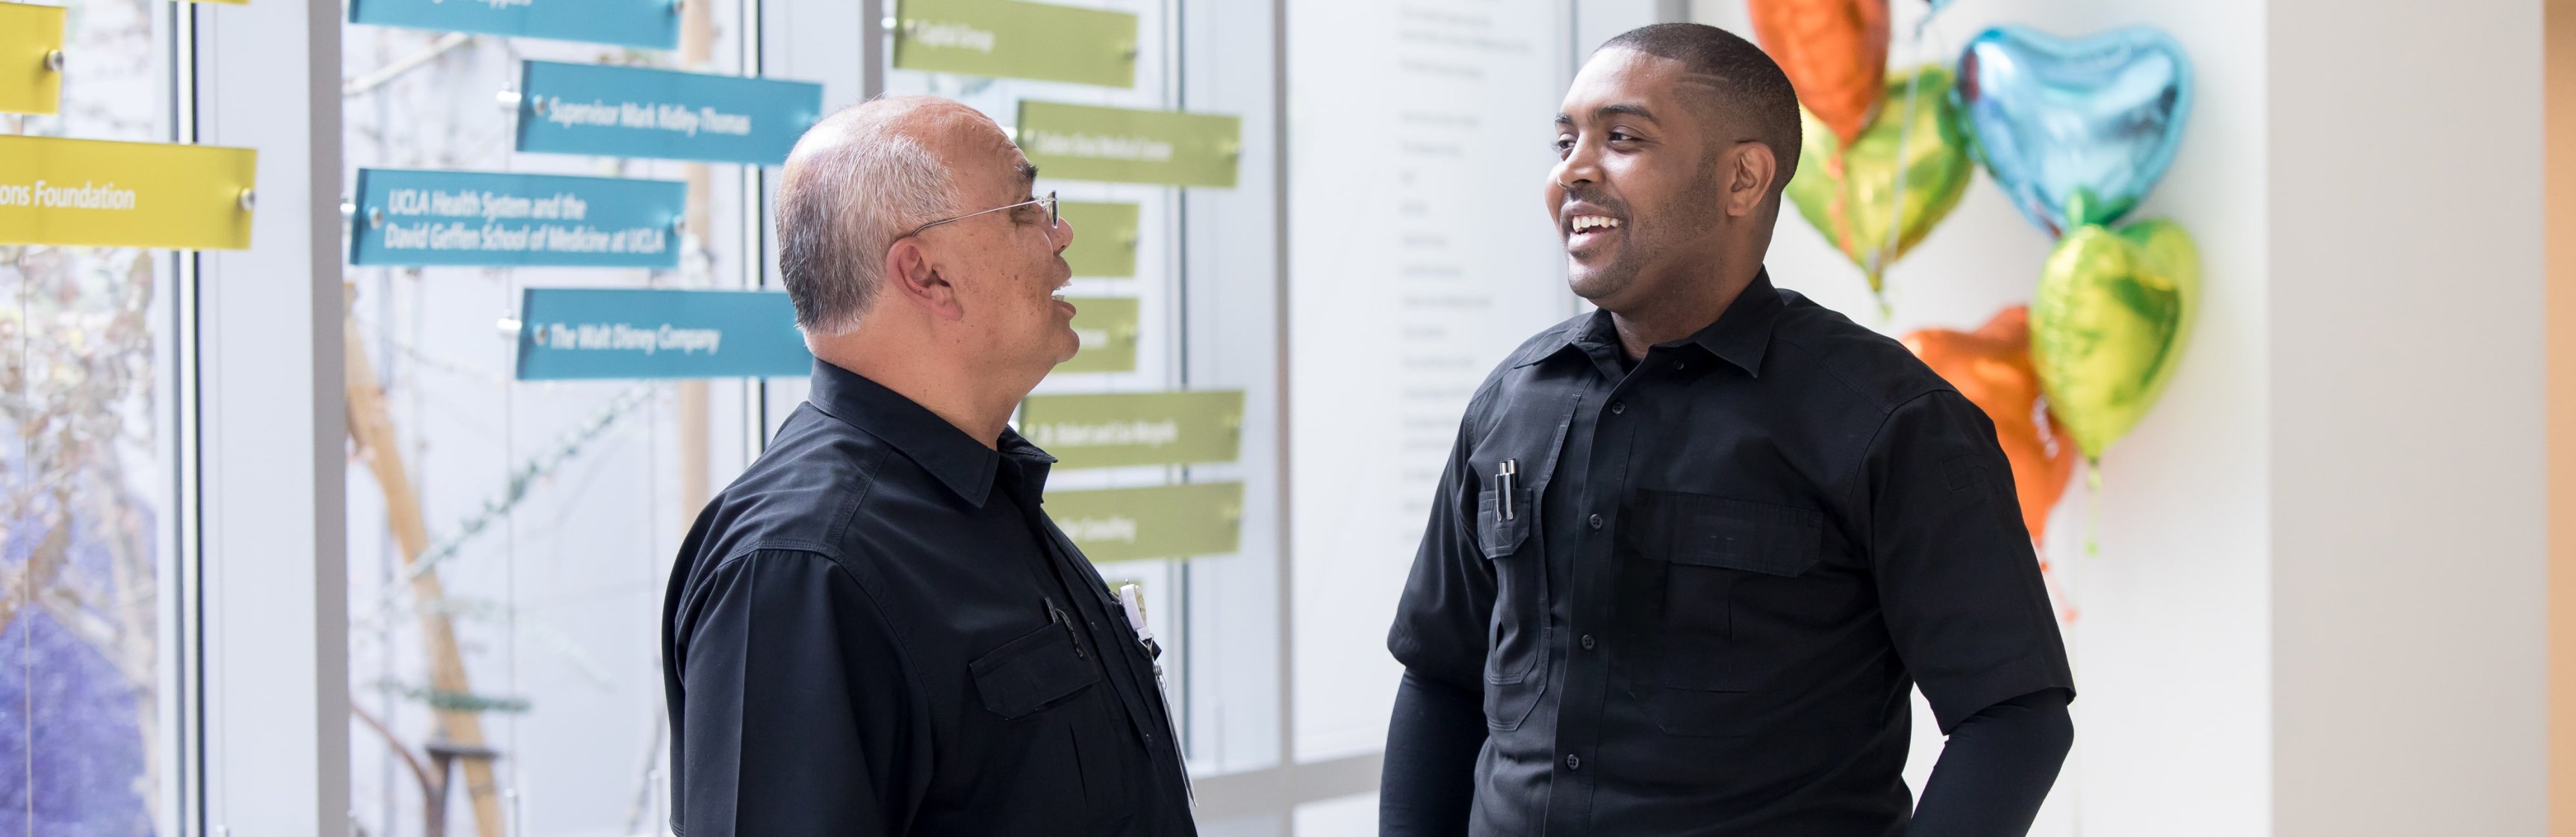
[1741,335]
[958,461]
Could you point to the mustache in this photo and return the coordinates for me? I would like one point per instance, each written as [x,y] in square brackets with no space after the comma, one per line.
[1593,195]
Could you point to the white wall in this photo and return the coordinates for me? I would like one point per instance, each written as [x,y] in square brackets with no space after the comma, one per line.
[2316,608]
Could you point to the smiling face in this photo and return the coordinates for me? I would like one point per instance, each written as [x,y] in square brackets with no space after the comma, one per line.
[1636,192]
[1008,267]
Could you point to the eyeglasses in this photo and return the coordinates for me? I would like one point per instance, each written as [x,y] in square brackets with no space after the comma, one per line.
[1054,220]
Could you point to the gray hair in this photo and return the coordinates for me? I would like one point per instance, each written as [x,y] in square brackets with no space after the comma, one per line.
[856,182]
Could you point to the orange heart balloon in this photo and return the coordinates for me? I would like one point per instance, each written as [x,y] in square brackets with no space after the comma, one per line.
[1991,366]
[1835,52]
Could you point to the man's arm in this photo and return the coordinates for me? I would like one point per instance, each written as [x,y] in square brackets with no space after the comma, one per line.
[1997,769]
[1428,782]
[798,718]
[1968,613]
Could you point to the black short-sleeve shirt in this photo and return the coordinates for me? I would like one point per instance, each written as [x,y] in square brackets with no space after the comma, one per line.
[1699,602]
[875,631]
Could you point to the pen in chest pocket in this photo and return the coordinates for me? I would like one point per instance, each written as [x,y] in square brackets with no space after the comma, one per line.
[1507,477]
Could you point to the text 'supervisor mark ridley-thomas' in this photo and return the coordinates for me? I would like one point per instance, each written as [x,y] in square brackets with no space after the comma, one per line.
[611,111]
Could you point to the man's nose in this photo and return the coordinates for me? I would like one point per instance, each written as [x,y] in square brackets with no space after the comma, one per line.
[1063,233]
[1581,165]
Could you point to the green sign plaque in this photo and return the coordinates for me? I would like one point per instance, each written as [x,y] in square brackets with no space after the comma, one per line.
[1012,39]
[1104,238]
[1080,142]
[1172,521]
[1107,326]
[1137,428]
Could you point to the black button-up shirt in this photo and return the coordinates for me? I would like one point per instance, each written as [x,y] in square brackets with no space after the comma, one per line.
[876,631]
[1700,603]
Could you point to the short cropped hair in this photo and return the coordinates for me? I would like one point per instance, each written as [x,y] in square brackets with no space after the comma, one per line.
[1748,89]
[854,183]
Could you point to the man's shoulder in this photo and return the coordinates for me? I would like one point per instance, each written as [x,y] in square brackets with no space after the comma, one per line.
[802,493]
[1815,341]
[1499,384]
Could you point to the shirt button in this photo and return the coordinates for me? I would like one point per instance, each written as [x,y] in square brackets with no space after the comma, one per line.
[1596,521]
[1587,642]
[1573,762]
[1678,365]
[1617,407]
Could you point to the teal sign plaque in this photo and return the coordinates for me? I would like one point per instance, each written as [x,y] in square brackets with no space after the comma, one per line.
[665,114]
[576,333]
[651,24]
[486,219]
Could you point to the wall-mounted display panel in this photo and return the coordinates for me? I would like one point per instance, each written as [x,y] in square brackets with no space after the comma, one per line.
[1011,39]
[647,24]
[105,193]
[613,111]
[420,218]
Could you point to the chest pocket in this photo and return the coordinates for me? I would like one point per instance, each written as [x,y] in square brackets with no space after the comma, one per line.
[1032,672]
[1054,725]
[1711,676]
[1507,534]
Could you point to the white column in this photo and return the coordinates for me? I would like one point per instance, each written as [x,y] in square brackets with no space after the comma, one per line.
[274,437]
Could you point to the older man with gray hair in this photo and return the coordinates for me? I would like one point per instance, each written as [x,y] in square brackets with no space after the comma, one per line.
[876,630]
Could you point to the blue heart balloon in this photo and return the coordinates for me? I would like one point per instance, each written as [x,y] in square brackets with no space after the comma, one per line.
[2077,132]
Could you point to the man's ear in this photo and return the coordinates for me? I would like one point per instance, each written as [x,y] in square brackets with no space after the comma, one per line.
[910,274]
[1749,178]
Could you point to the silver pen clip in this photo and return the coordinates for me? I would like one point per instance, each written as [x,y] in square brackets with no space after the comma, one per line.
[1506,483]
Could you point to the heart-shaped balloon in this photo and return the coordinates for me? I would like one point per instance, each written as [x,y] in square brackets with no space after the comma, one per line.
[2077,132]
[1991,366]
[2108,325]
[1916,153]
[1834,51]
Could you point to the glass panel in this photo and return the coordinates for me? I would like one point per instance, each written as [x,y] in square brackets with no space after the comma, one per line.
[1213,615]
[85,738]
[509,541]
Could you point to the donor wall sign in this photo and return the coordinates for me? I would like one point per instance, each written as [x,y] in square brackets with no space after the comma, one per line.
[1119,145]
[651,24]
[1107,328]
[1165,521]
[1136,428]
[1013,39]
[612,111]
[589,333]
[125,194]
[31,58]
[454,218]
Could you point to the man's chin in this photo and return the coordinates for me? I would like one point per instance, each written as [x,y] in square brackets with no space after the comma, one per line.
[1591,285]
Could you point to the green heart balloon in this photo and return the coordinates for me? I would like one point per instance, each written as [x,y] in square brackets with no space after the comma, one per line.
[2108,325]
[1915,154]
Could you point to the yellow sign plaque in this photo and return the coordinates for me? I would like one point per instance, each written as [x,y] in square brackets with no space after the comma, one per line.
[124,194]
[31,58]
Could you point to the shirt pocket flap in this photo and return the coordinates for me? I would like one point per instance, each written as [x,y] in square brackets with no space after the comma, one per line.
[1032,672]
[1502,535]
[1706,531]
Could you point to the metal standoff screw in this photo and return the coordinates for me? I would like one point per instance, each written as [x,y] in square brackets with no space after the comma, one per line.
[54,60]
[539,106]
[249,199]
[375,216]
